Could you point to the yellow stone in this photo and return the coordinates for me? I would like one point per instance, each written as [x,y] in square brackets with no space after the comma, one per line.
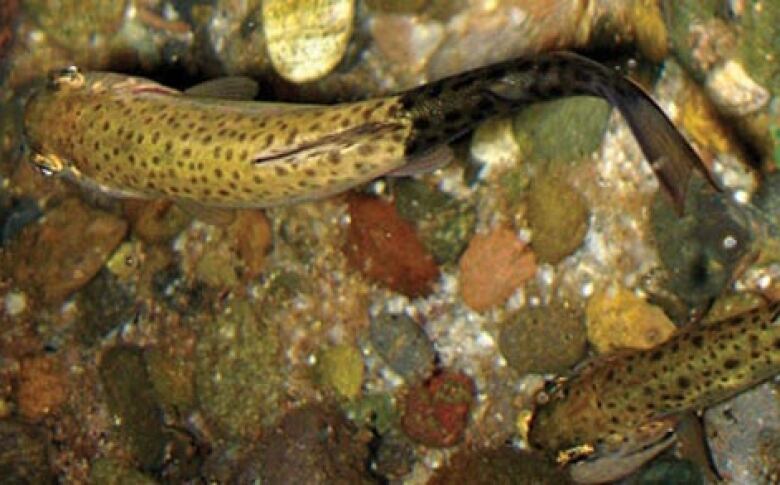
[307,38]
[341,368]
[617,318]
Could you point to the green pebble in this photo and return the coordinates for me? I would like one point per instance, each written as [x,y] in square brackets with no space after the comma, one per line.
[341,368]
[557,216]
[543,340]
[403,345]
[564,129]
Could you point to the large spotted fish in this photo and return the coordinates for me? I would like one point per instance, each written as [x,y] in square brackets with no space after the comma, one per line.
[130,136]
[629,403]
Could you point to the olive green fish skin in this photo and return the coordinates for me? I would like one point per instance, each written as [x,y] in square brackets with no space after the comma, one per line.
[129,136]
[698,367]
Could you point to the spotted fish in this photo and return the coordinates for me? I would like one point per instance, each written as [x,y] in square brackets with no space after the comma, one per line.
[619,400]
[130,136]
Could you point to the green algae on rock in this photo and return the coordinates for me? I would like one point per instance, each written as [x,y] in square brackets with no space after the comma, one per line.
[172,376]
[105,303]
[565,129]
[547,339]
[340,368]
[131,399]
[403,345]
[235,349]
[558,217]
[503,465]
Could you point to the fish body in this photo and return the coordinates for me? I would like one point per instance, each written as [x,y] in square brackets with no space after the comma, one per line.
[130,136]
[617,397]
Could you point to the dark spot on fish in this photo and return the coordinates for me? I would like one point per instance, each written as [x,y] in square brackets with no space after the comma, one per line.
[184,136]
[116,151]
[217,151]
[106,125]
[345,123]
[168,146]
[776,343]
[683,382]
[233,185]
[365,149]
[257,179]
[292,136]
[242,137]
[218,173]
[730,363]
[244,155]
[280,171]
[229,154]
[657,355]
[207,139]
[223,192]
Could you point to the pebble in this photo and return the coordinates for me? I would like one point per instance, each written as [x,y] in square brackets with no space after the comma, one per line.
[403,345]
[498,466]
[493,267]
[104,304]
[340,368]
[51,257]
[314,444]
[436,411]
[133,404]
[155,221]
[558,217]
[172,374]
[42,387]
[548,339]
[15,303]
[306,39]
[386,248]
[234,349]
[619,319]
[251,233]
[24,454]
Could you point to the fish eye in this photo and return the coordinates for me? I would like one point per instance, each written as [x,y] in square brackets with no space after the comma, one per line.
[70,76]
[47,166]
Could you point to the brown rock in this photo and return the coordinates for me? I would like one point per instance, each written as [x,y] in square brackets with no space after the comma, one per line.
[386,248]
[156,220]
[493,266]
[252,234]
[42,387]
[64,251]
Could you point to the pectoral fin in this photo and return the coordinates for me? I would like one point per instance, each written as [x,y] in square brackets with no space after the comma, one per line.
[237,88]
[210,215]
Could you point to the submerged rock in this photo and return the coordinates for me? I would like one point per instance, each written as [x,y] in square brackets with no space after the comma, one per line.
[547,339]
[105,303]
[340,368]
[493,267]
[669,470]
[386,248]
[313,444]
[42,387]
[558,217]
[235,349]
[132,401]
[499,466]
[24,454]
[403,345]
[436,412]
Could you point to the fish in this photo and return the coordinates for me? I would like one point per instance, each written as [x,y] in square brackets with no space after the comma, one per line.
[622,403]
[209,147]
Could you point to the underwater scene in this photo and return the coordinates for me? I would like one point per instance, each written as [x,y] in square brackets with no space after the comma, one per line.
[389,242]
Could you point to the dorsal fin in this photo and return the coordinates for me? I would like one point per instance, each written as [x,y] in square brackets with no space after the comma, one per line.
[237,88]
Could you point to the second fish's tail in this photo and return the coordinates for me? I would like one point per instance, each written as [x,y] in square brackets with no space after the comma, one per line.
[449,108]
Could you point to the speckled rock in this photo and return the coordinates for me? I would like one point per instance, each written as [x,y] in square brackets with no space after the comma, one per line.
[741,430]
[104,304]
[493,267]
[444,223]
[237,348]
[618,319]
[502,466]
[557,215]
[51,257]
[386,248]
[42,387]
[77,24]
[403,345]
[24,454]
[436,412]
[307,38]
[340,368]
[547,339]
[172,375]
[313,444]
[133,403]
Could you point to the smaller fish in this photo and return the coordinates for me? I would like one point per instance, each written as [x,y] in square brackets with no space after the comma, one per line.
[131,137]
[622,404]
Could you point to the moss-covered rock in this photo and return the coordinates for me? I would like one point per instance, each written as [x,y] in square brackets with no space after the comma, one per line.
[340,368]
[558,217]
[547,339]
[238,376]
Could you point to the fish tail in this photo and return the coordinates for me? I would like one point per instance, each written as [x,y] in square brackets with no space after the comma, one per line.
[447,109]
